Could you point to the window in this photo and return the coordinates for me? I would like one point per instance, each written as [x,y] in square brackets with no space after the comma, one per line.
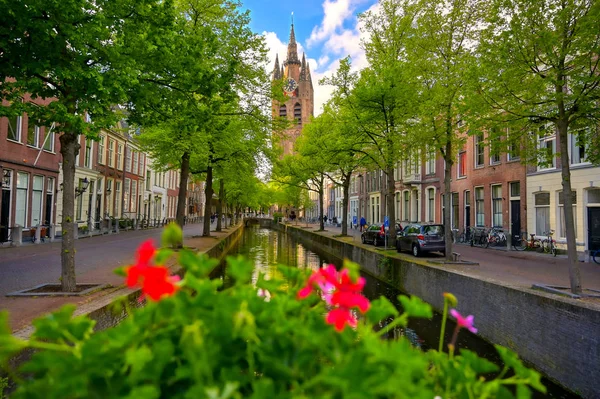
[133,206]
[462,164]
[14,128]
[88,153]
[515,189]
[576,149]
[398,196]
[101,150]
[497,205]
[283,110]
[36,200]
[298,112]
[562,228]
[430,164]
[479,207]
[126,195]
[479,150]
[128,160]
[546,147]
[514,147]
[148,180]
[111,149]
[495,154]
[49,201]
[430,204]
[135,162]
[49,139]
[141,165]
[117,198]
[406,212]
[454,204]
[21,200]
[33,133]
[120,156]
[542,213]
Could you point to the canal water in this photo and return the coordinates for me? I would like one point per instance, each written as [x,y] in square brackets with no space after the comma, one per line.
[268,248]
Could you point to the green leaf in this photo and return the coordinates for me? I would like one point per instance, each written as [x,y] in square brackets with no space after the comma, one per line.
[240,269]
[137,358]
[478,364]
[380,309]
[162,255]
[172,236]
[9,345]
[511,359]
[415,307]
[145,392]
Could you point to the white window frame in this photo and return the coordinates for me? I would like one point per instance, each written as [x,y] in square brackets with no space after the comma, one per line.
[101,149]
[479,144]
[19,131]
[537,207]
[479,202]
[543,143]
[48,131]
[430,210]
[459,164]
[575,149]
[119,156]
[36,134]
[497,221]
[26,201]
[560,217]
[430,162]
[111,153]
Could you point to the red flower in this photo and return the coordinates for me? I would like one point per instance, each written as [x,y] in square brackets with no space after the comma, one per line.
[154,280]
[340,292]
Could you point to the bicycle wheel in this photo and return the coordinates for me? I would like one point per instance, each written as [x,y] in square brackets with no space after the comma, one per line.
[461,237]
[487,242]
[553,249]
[519,244]
[546,246]
[596,256]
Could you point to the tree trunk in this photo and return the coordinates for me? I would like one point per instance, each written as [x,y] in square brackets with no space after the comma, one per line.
[321,201]
[220,205]
[391,211]
[69,148]
[208,193]
[346,190]
[185,171]
[447,198]
[574,272]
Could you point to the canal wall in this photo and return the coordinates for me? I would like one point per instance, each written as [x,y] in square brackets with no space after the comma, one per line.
[558,336]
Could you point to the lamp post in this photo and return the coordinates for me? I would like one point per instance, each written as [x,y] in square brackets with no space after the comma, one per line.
[83,188]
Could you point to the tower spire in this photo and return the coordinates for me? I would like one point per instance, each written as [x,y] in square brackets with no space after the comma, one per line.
[303,68]
[276,70]
[292,51]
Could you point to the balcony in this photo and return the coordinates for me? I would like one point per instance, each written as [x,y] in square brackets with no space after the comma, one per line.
[412,178]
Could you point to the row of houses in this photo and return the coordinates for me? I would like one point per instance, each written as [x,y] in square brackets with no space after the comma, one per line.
[488,189]
[114,179]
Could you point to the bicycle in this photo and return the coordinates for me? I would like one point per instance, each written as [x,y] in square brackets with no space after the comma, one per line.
[549,244]
[595,255]
[519,242]
[495,236]
[531,244]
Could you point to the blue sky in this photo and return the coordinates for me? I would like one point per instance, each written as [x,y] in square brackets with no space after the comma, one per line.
[326,30]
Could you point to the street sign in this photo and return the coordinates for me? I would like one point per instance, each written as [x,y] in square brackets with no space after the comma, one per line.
[386,221]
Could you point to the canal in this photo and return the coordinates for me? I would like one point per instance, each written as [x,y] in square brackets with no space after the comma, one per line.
[268,248]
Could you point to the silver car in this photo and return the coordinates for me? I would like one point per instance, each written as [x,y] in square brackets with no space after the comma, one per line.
[419,238]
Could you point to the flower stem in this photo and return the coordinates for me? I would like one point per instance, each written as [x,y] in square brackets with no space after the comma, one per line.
[444,320]
[50,346]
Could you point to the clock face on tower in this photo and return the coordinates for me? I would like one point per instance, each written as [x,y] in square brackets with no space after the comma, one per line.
[290,85]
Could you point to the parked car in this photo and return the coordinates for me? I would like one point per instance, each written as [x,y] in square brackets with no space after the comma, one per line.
[372,235]
[419,238]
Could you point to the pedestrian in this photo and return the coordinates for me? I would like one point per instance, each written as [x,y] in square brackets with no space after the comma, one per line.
[212,218]
[325,219]
[363,223]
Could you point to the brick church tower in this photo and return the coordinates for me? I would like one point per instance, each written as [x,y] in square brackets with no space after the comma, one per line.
[298,87]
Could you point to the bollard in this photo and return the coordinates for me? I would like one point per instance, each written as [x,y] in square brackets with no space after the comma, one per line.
[136,223]
[117,226]
[52,232]
[38,234]
[17,236]
[75,231]
[509,242]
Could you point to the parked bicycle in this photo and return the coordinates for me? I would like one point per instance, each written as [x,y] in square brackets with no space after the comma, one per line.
[479,236]
[549,244]
[595,255]
[496,237]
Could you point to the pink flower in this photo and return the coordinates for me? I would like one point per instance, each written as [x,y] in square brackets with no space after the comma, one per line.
[338,291]
[466,322]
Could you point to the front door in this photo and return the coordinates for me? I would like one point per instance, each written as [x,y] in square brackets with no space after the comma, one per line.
[4,211]
[49,206]
[593,228]
[515,218]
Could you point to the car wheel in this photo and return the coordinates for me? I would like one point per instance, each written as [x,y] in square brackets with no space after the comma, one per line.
[398,247]
[375,243]
[363,239]
[415,250]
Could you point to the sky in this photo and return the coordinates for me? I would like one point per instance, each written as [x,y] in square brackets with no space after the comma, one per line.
[326,30]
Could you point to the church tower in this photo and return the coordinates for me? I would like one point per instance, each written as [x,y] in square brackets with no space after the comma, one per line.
[298,87]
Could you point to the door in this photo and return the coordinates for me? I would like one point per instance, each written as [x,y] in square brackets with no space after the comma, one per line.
[515,218]
[4,211]
[48,213]
[593,228]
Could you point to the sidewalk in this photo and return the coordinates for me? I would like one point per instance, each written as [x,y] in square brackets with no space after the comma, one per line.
[512,268]
[112,252]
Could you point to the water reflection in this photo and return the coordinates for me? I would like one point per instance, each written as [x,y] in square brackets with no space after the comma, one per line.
[267,249]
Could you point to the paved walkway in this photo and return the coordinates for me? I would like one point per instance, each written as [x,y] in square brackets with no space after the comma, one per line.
[514,268]
[97,258]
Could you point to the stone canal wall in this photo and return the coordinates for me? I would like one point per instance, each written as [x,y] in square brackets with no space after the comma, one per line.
[558,336]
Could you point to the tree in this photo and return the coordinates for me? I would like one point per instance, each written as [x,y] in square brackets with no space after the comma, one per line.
[540,65]
[74,54]
[439,59]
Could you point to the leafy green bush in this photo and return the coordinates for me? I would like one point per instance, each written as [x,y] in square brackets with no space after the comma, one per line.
[248,340]
[277,215]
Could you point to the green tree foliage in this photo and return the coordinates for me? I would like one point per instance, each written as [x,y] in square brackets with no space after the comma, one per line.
[75,54]
[540,67]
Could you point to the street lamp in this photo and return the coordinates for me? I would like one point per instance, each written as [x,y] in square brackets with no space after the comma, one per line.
[5,178]
[82,189]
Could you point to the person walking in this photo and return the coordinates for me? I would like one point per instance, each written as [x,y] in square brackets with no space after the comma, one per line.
[363,223]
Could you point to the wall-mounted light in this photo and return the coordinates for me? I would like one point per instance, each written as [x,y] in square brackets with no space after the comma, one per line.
[82,189]
[6,178]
